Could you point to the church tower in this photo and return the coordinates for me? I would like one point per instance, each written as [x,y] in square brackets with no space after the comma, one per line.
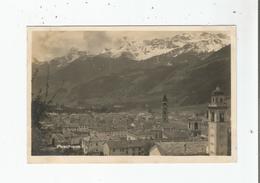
[218,124]
[164,109]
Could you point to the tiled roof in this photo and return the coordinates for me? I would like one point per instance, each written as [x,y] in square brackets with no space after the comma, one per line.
[177,135]
[141,132]
[59,137]
[127,144]
[182,148]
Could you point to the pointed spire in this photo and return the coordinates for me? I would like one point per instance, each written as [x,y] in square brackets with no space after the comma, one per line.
[164,108]
[164,99]
[217,91]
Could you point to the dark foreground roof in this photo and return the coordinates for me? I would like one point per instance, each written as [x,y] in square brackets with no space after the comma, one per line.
[127,144]
[181,148]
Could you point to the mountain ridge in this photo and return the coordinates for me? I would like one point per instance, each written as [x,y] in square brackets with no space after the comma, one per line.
[140,50]
[187,79]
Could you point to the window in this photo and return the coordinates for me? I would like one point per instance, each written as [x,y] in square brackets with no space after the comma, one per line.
[196,126]
[185,147]
[53,142]
[221,117]
[212,116]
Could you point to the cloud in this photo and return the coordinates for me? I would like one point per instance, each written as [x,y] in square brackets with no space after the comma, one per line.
[47,45]
[97,41]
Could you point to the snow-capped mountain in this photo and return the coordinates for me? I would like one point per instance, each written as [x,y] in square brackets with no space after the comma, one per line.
[196,42]
[71,56]
[180,43]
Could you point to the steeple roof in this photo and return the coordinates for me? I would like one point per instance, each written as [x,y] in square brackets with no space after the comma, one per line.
[217,91]
[164,99]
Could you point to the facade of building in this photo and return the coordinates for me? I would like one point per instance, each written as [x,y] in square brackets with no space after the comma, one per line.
[151,134]
[218,124]
[92,146]
[177,135]
[126,148]
[197,126]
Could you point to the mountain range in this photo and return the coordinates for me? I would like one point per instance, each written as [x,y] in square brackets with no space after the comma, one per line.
[186,67]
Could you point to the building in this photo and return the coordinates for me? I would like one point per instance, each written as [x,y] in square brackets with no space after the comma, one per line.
[177,135]
[164,109]
[179,148]
[57,139]
[218,124]
[197,126]
[75,128]
[93,146]
[110,133]
[127,148]
[150,134]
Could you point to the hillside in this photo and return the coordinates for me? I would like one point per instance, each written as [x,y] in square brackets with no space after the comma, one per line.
[187,79]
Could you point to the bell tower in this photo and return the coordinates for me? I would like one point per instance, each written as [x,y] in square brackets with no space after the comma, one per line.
[164,109]
[218,124]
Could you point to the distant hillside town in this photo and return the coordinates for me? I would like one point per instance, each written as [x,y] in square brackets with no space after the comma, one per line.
[145,133]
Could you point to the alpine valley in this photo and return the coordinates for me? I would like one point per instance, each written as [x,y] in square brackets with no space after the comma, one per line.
[136,73]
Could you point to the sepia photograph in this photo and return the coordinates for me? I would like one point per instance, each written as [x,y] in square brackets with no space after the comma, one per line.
[131,94]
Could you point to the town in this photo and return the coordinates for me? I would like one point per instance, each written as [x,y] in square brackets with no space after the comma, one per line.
[141,133]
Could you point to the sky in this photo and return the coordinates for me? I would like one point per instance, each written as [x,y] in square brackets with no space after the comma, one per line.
[50,44]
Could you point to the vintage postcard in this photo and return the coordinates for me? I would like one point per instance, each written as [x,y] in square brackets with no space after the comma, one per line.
[132,94]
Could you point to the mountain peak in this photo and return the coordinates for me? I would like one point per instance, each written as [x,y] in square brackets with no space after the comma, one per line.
[195,42]
[142,49]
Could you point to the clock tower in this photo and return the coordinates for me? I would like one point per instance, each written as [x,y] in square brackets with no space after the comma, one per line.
[164,109]
[218,124]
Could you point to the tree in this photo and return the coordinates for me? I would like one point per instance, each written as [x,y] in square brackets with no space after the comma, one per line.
[40,105]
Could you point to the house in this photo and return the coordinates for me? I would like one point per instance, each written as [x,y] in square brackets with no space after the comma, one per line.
[150,134]
[57,139]
[176,135]
[197,126]
[74,127]
[68,139]
[179,148]
[109,133]
[131,136]
[126,148]
[171,127]
[92,146]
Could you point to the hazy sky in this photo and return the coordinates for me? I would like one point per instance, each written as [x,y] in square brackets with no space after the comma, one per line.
[49,44]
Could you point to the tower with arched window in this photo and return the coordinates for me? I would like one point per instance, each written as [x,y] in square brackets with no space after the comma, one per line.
[218,124]
[164,109]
